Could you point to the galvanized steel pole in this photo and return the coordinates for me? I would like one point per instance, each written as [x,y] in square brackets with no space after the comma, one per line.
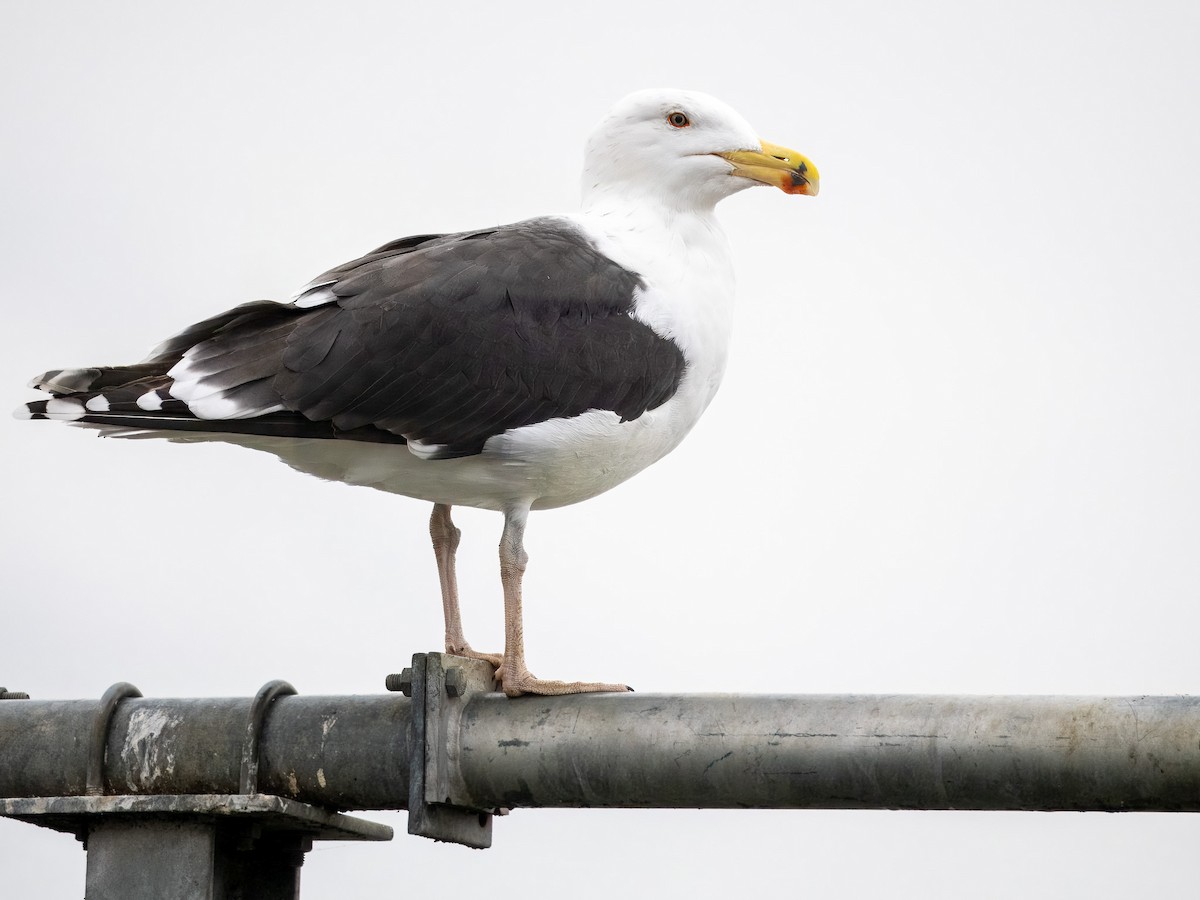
[221,798]
[335,752]
[848,752]
[636,750]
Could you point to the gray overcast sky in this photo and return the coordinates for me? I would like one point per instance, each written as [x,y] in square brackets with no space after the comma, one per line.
[955,452]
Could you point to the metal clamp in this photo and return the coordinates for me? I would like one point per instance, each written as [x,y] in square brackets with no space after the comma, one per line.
[99,738]
[248,782]
[440,685]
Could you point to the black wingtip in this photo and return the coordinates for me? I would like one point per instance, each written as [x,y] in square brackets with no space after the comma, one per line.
[34,410]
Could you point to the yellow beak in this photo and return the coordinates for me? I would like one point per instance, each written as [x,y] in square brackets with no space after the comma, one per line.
[786,169]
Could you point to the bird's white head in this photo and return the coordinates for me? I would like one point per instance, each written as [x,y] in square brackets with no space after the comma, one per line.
[686,151]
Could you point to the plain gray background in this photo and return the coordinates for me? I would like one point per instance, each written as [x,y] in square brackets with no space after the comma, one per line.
[955,452]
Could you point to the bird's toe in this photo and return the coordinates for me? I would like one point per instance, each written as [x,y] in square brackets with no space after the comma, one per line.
[516,683]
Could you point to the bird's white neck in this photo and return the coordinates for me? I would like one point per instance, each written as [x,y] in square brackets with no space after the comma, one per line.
[688,229]
[653,199]
[684,260]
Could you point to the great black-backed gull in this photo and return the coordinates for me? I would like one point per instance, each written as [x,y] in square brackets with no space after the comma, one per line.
[522,367]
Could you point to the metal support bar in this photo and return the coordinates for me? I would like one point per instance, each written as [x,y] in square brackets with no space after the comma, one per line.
[831,752]
[457,750]
[336,752]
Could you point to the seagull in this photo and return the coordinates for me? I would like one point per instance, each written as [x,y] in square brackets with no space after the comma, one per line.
[521,367]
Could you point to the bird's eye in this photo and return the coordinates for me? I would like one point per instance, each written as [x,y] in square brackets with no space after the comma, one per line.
[678,120]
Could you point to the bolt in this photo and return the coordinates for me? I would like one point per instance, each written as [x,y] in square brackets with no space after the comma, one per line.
[401,682]
[456,682]
[6,694]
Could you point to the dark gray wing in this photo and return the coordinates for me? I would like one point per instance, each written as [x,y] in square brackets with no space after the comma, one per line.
[467,336]
[446,339]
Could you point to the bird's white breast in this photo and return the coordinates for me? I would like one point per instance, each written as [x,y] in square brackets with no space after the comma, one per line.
[687,298]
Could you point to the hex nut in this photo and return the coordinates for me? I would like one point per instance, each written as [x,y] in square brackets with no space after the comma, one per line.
[456,681]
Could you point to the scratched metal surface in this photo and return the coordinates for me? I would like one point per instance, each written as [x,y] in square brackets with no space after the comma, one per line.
[338,752]
[890,752]
[641,750]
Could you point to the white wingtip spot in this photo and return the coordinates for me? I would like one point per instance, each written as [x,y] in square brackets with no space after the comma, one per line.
[65,410]
[422,450]
[150,401]
[22,412]
[99,403]
[220,406]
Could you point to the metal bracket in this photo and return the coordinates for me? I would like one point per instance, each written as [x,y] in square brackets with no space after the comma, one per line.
[220,846]
[270,813]
[440,686]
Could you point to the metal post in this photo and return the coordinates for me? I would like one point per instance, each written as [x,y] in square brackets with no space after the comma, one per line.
[153,859]
[140,860]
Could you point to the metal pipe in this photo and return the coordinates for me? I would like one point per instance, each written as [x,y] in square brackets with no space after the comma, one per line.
[858,752]
[635,750]
[336,752]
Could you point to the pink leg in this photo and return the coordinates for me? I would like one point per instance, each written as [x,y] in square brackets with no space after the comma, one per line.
[515,679]
[445,535]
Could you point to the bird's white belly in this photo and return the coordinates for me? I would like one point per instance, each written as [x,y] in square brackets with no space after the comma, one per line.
[549,464]
[564,461]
